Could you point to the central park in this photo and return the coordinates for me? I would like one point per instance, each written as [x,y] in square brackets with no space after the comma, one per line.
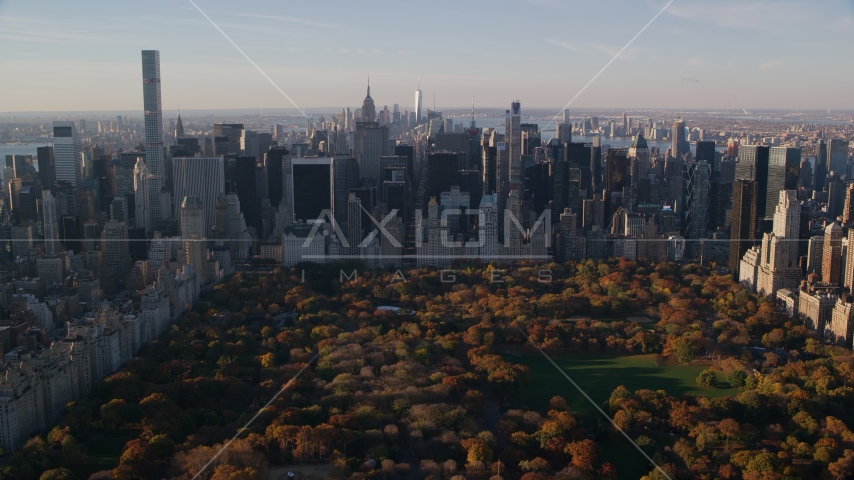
[429,380]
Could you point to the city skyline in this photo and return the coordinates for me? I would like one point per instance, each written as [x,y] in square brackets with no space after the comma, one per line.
[164,274]
[709,68]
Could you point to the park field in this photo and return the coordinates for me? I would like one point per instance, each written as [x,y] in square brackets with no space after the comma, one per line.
[106,448]
[598,376]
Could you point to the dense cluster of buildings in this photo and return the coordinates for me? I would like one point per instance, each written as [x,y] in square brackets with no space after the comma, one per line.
[48,364]
[102,246]
[815,287]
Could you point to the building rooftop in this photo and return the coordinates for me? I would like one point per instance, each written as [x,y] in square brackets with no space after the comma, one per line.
[639,142]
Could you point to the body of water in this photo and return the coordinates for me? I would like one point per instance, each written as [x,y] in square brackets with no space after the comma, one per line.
[23,149]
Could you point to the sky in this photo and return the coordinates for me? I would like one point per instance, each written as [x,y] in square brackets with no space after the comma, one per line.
[717,54]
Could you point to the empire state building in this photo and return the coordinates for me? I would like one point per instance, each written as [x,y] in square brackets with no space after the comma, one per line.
[369,110]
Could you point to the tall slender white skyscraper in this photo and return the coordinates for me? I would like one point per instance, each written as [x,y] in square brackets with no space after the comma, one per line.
[418,104]
[51,228]
[153,131]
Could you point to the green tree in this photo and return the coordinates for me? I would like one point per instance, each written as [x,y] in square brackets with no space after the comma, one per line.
[762,462]
[707,378]
[683,348]
[112,413]
[737,378]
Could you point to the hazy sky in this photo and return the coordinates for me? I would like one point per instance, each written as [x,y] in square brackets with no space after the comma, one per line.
[70,55]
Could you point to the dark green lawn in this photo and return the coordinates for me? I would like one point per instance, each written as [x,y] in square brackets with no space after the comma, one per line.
[598,376]
[106,448]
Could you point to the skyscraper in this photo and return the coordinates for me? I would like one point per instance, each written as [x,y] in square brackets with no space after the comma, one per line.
[369,110]
[836,188]
[355,235]
[848,209]
[442,168]
[201,178]
[778,262]
[831,269]
[312,187]
[639,148]
[680,145]
[537,187]
[753,164]
[706,151]
[490,158]
[820,164]
[153,131]
[274,161]
[696,191]
[564,128]
[488,228]
[743,229]
[783,174]
[249,145]
[513,135]
[67,150]
[806,174]
[227,138]
[639,153]
[245,185]
[51,227]
[396,194]
[371,143]
[418,105]
[238,235]
[47,166]
[179,127]
[140,186]
[192,217]
[617,178]
[408,151]
[345,172]
[787,224]
[558,177]
[837,154]
[117,248]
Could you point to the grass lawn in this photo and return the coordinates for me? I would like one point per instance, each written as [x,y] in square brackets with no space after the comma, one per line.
[106,448]
[598,376]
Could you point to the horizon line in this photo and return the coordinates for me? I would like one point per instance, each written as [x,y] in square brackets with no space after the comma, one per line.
[335,109]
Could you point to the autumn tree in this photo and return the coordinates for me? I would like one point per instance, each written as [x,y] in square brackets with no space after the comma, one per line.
[683,348]
[584,454]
